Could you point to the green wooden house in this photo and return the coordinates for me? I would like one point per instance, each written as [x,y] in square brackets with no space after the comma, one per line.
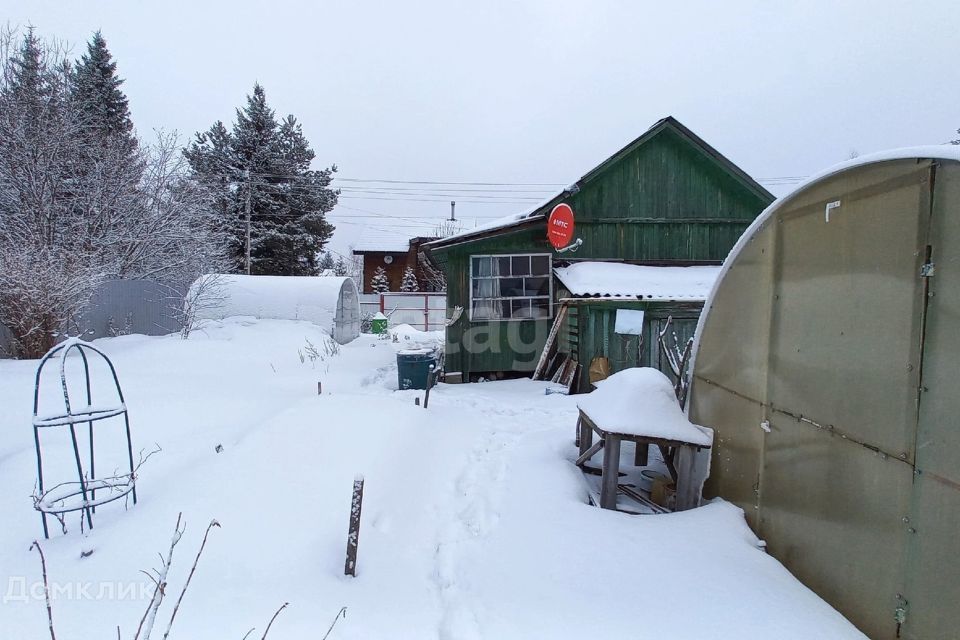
[667,199]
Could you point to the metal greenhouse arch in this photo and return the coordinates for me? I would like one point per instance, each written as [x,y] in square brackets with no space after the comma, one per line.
[827,361]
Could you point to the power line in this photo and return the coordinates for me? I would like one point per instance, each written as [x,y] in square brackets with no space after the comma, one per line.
[517,202]
[464,190]
[478,184]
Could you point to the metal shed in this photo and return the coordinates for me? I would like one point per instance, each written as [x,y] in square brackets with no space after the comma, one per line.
[827,364]
[329,302]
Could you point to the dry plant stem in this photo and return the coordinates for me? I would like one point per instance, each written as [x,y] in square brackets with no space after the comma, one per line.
[46,588]
[176,608]
[150,615]
[342,612]
[270,624]
[247,634]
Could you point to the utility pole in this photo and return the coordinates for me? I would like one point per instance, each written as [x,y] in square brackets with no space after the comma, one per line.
[249,190]
[453,205]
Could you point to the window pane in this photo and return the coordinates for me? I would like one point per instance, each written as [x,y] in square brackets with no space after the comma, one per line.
[487,310]
[510,287]
[481,267]
[540,309]
[536,286]
[501,266]
[541,265]
[521,266]
[520,308]
[483,287]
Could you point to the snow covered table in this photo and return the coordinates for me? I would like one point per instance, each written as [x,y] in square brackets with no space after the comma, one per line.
[638,405]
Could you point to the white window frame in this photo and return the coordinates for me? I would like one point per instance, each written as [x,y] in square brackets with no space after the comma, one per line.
[548,276]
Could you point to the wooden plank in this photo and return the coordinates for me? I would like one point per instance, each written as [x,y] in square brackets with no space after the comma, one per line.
[353,536]
[589,453]
[555,361]
[640,458]
[662,442]
[577,371]
[668,453]
[611,471]
[561,370]
[550,343]
[584,436]
[569,372]
[639,497]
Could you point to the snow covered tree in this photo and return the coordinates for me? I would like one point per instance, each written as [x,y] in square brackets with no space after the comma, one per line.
[95,89]
[326,262]
[46,270]
[380,283]
[409,282]
[65,224]
[266,164]
[340,268]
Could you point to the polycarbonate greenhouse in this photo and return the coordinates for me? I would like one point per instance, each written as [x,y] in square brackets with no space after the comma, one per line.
[329,302]
[828,362]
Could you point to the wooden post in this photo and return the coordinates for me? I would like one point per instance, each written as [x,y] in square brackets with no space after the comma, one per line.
[426,396]
[585,439]
[353,537]
[611,472]
[319,388]
[640,458]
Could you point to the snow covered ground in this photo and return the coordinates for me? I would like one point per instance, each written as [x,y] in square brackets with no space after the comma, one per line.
[475,522]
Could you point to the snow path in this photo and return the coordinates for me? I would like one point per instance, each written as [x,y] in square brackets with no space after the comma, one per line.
[474,518]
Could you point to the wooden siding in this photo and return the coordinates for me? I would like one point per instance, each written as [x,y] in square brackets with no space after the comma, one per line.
[589,332]
[489,346]
[665,201]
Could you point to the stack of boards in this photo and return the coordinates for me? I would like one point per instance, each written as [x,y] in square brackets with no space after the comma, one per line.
[553,365]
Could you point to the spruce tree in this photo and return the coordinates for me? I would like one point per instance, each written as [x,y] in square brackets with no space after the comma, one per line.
[326,262]
[267,164]
[380,283]
[97,96]
[340,269]
[409,282]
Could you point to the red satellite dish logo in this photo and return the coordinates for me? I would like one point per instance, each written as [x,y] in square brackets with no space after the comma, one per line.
[560,226]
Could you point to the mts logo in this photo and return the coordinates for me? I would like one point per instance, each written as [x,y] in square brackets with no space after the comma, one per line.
[563,224]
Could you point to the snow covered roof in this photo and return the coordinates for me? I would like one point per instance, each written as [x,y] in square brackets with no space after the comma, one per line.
[641,401]
[637,282]
[393,241]
[534,213]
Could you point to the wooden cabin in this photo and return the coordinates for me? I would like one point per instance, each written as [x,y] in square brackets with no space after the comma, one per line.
[667,199]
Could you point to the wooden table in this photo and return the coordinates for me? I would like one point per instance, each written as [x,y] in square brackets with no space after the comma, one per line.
[610,441]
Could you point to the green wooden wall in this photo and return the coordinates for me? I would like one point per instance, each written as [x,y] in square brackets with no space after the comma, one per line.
[665,201]
[588,332]
[487,346]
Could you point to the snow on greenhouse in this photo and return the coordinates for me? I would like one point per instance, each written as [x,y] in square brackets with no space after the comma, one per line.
[331,303]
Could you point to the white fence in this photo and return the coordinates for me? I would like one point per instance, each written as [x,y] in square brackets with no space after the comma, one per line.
[424,311]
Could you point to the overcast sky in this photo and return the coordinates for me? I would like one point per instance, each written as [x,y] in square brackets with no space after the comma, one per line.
[531,92]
